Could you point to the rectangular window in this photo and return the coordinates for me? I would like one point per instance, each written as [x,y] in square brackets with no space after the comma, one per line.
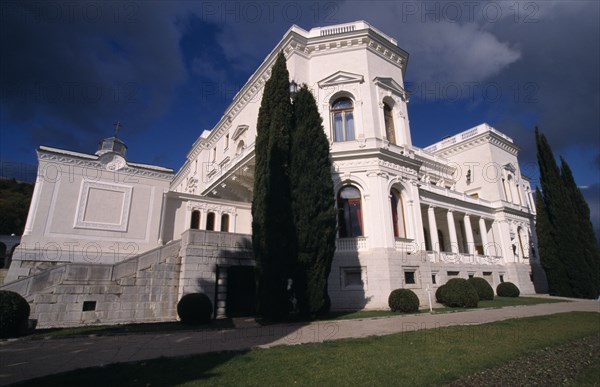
[501,277]
[409,277]
[471,275]
[89,306]
[226,141]
[214,154]
[353,278]
[434,278]
[452,274]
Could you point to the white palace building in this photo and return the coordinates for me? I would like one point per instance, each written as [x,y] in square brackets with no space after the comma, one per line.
[110,240]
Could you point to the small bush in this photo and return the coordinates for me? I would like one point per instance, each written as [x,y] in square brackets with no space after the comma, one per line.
[482,287]
[14,314]
[507,289]
[458,292]
[439,294]
[404,301]
[195,308]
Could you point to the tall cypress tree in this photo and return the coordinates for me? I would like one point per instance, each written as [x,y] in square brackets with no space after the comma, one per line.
[588,244]
[549,252]
[273,237]
[313,206]
[563,219]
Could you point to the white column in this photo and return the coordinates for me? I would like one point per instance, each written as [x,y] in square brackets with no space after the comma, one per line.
[433,235]
[484,237]
[469,232]
[188,218]
[452,232]
[203,219]
[161,221]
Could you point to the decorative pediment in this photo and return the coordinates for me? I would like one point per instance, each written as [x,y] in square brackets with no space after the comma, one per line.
[391,85]
[339,78]
[510,167]
[239,131]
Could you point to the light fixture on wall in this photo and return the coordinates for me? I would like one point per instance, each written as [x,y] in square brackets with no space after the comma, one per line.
[293,88]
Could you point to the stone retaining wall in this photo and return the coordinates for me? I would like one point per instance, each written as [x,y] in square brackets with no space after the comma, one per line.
[140,289]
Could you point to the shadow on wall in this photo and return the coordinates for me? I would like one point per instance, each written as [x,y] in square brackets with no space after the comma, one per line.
[540,281]
[348,283]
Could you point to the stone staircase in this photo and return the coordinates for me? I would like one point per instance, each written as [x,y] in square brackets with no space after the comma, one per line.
[143,288]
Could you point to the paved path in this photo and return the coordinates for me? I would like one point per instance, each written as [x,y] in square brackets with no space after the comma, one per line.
[25,358]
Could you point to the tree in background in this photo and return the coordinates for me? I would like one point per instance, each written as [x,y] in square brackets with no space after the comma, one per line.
[14,206]
[313,206]
[585,230]
[562,252]
[272,219]
[549,252]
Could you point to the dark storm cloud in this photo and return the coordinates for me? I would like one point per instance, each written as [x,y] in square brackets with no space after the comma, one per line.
[81,65]
[557,78]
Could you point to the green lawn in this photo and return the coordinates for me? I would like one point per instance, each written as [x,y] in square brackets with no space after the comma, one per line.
[501,302]
[421,358]
[589,378]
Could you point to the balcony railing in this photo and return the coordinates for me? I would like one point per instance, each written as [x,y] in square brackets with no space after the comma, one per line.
[351,244]
[404,244]
[464,258]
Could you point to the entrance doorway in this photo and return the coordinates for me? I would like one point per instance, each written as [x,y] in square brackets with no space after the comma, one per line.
[241,288]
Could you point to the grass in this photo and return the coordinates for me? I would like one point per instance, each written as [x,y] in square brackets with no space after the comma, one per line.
[420,358]
[501,302]
[588,378]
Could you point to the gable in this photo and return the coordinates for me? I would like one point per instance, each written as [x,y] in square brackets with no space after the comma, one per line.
[391,85]
[339,78]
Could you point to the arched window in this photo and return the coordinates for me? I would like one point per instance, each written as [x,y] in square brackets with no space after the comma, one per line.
[342,118]
[350,213]
[225,223]
[210,221]
[195,223]
[398,218]
[390,131]
[240,148]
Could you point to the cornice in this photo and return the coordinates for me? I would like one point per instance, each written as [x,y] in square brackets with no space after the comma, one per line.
[103,163]
[484,138]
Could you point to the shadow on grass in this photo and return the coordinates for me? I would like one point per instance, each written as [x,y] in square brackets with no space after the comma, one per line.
[101,330]
[156,372]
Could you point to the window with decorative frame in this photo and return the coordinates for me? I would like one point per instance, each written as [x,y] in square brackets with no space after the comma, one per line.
[342,119]
[349,212]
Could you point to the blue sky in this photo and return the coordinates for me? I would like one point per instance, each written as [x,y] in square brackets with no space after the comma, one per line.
[167,70]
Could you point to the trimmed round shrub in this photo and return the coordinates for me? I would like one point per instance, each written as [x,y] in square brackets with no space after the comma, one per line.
[439,294]
[482,287]
[458,292]
[404,301]
[195,308]
[14,314]
[507,289]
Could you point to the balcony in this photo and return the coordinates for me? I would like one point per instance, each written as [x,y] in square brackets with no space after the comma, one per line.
[407,245]
[463,258]
[351,244]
